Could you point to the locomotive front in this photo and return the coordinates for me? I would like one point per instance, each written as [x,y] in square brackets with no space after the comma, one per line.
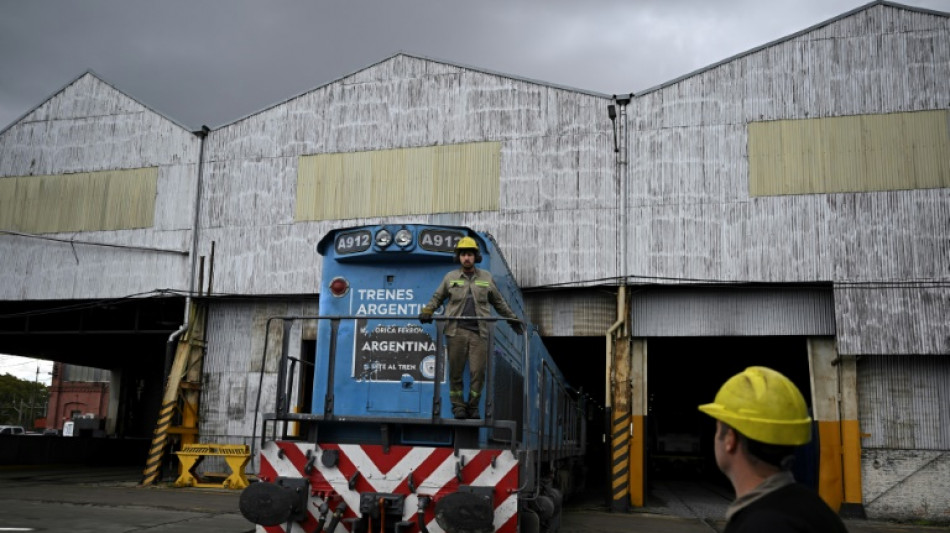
[379,450]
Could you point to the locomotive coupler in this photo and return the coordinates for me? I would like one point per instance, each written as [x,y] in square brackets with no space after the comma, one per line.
[380,512]
[277,503]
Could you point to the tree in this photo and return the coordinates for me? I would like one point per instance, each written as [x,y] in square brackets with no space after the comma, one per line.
[21,400]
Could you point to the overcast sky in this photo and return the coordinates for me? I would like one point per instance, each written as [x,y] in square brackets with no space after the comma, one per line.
[210,62]
[26,369]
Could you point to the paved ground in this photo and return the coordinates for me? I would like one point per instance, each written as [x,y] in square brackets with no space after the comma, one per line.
[108,500]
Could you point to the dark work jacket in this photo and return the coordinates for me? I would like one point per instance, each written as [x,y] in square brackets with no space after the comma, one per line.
[793,508]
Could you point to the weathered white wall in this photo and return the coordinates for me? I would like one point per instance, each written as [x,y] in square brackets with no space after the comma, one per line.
[691,215]
[231,375]
[906,484]
[904,416]
[557,215]
[90,126]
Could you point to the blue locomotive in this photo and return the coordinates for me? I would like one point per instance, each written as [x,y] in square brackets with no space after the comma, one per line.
[379,450]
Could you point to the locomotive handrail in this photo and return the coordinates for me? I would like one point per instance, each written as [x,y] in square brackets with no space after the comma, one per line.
[284,386]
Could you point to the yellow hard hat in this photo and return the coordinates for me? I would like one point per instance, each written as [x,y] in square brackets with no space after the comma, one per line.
[466,243]
[763,405]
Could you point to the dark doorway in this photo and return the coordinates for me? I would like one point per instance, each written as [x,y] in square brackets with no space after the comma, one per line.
[683,373]
[582,360]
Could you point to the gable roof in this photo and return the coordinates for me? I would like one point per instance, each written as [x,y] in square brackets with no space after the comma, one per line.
[795,35]
[99,78]
[420,58]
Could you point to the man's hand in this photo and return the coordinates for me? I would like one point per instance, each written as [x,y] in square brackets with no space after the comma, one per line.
[425,316]
[516,327]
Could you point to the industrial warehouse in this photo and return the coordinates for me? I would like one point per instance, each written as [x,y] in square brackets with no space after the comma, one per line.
[787,207]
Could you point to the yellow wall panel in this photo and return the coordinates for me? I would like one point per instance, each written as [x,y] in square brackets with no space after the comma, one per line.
[87,201]
[406,181]
[850,154]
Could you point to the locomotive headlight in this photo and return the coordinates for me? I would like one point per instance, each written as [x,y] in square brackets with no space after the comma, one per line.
[383,238]
[339,286]
[403,238]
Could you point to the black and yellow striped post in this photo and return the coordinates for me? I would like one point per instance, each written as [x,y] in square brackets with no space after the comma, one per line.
[620,423]
[620,462]
[159,440]
[188,355]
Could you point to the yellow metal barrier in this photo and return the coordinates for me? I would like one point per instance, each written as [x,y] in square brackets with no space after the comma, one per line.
[235,455]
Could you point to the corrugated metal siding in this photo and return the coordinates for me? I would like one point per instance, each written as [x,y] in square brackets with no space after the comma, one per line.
[89,201]
[84,374]
[688,312]
[881,318]
[232,364]
[570,313]
[904,402]
[82,134]
[407,181]
[557,190]
[850,154]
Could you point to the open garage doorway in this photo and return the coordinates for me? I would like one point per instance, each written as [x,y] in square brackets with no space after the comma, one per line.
[684,372]
[583,362]
[126,336]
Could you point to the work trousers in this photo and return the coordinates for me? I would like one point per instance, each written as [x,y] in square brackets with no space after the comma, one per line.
[466,346]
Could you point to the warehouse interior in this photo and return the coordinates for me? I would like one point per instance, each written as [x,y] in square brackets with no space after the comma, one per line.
[684,372]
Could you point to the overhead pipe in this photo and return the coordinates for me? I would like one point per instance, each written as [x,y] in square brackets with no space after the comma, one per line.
[617,464]
[620,148]
[202,135]
[160,436]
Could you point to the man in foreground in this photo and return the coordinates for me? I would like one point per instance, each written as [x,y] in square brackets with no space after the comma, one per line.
[761,417]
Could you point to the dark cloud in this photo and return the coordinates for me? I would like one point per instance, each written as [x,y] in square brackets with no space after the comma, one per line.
[213,61]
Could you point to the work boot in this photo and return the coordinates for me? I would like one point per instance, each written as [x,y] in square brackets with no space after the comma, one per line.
[473,412]
[459,412]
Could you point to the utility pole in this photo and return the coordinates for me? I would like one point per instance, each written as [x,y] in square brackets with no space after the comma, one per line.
[31,422]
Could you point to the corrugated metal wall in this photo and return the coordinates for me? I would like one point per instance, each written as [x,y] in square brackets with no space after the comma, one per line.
[857,153]
[232,365]
[572,312]
[893,319]
[407,181]
[731,312]
[556,213]
[690,212]
[904,402]
[91,133]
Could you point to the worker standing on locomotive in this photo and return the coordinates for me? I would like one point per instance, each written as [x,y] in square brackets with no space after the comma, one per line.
[470,291]
[761,417]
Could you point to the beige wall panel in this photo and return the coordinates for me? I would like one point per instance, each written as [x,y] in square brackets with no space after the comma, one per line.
[850,154]
[453,178]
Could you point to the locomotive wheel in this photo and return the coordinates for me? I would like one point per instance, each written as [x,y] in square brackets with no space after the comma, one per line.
[530,523]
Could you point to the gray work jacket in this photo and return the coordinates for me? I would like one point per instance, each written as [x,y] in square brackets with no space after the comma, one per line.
[455,286]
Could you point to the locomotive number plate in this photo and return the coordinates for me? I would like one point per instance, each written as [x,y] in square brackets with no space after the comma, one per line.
[436,240]
[352,242]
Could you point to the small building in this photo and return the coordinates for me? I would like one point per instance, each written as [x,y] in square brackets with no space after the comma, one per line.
[78,392]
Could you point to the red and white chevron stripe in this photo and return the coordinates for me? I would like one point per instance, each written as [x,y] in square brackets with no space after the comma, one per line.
[433,472]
